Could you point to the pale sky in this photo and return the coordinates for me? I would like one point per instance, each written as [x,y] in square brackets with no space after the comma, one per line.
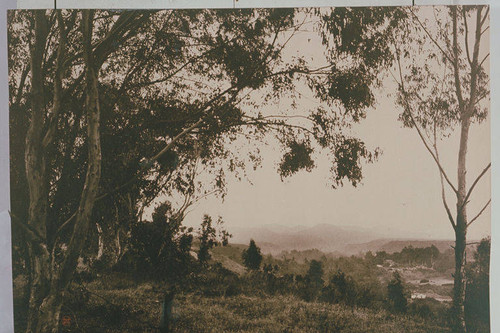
[400,194]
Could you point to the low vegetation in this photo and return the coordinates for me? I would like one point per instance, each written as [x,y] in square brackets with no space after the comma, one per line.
[343,294]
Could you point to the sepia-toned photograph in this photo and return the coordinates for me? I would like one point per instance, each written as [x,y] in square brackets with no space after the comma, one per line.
[250,170]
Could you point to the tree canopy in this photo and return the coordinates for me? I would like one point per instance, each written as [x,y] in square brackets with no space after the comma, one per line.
[111,109]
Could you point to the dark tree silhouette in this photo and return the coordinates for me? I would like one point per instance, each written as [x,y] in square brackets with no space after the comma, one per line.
[477,296]
[208,239]
[315,273]
[252,257]
[396,295]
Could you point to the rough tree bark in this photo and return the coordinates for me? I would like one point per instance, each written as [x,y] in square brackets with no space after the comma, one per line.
[36,170]
[51,307]
[49,280]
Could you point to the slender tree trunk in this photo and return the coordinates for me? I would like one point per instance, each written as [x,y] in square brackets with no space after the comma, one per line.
[459,277]
[461,232]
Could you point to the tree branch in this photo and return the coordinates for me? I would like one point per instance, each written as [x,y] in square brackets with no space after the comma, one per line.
[30,231]
[420,134]
[484,59]
[474,184]
[430,37]
[456,70]
[56,104]
[22,82]
[443,193]
[485,15]
[479,214]
[464,15]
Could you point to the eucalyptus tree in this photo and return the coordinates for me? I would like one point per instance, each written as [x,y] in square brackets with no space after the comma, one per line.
[109,109]
[443,85]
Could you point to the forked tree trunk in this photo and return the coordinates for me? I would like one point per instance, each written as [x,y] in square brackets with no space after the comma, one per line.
[50,281]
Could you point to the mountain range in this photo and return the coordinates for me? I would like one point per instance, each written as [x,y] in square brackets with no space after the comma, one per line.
[329,238]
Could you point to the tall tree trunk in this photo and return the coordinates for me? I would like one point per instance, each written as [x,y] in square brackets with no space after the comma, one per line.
[50,308]
[36,175]
[461,231]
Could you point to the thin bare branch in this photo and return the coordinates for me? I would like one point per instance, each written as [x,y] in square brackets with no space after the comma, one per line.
[456,69]
[446,55]
[475,183]
[443,193]
[484,59]
[485,29]
[420,134]
[464,15]
[479,214]
[22,82]
[56,104]
[485,15]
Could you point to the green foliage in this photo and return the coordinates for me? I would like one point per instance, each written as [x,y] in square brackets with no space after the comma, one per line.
[252,257]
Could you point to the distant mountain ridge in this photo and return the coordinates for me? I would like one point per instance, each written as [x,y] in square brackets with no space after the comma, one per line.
[274,239]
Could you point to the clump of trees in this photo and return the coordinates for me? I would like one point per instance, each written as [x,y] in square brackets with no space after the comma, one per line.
[341,288]
[160,248]
[409,255]
[111,109]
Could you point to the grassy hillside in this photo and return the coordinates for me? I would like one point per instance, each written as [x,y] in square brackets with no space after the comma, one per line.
[287,314]
[138,309]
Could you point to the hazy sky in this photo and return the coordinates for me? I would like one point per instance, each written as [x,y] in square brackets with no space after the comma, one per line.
[400,194]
